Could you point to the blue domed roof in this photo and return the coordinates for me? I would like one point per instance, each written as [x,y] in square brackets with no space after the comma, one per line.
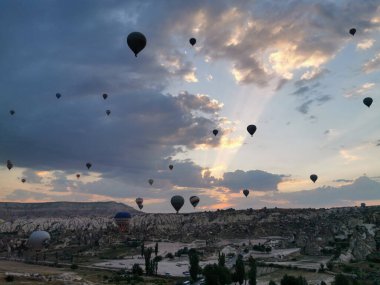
[123,215]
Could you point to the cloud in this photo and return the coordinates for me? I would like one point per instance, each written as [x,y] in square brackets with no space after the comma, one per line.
[372,65]
[304,107]
[365,44]
[362,189]
[292,35]
[360,90]
[256,180]
[343,180]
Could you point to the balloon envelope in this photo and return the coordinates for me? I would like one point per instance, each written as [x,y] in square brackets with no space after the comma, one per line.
[177,202]
[12,112]
[108,112]
[215,132]
[194,200]
[78,175]
[23,180]
[251,129]
[352,31]
[139,202]
[368,101]
[150,181]
[122,220]
[38,240]
[88,165]
[171,167]
[105,96]
[313,177]
[192,41]
[136,42]
[58,95]
[246,192]
[9,164]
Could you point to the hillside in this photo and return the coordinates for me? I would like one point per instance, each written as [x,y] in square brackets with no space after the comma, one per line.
[11,211]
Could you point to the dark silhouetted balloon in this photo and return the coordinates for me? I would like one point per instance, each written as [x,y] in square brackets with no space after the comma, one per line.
[9,164]
[251,129]
[194,200]
[23,180]
[38,240]
[136,42]
[192,41]
[177,202]
[12,112]
[352,31]
[313,177]
[78,175]
[122,220]
[368,101]
[246,192]
[139,202]
[150,181]
[58,95]
[171,167]
[215,132]
[105,96]
[88,165]
[108,112]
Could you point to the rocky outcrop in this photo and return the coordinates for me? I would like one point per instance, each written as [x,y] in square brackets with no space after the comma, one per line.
[352,233]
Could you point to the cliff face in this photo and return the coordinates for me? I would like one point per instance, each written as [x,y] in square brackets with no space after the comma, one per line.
[355,232]
[11,211]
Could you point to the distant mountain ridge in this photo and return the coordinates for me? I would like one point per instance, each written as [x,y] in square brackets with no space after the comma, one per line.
[12,210]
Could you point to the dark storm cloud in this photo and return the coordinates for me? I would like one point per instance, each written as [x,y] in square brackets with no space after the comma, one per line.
[256,180]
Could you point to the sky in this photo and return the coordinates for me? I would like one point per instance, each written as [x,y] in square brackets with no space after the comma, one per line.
[289,67]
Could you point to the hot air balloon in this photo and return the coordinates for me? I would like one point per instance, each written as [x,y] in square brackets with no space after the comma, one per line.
[192,41]
[215,132]
[313,177]
[108,112]
[251,129]
[105,96]
[150,181]
[88,165]
[78,175]
[171,167]
[23,180]
[9,164]
[352,31]
[38,240]
[12,112]
[58,95]
[139,202]
[122,220]
[194,200]
[368,101]
[136,42]
[246,192]
[177,202]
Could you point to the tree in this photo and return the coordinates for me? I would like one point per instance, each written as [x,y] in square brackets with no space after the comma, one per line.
[271,282]
[156,249]
[323,283]
[252,271]
[340,279]
[221,259]
[239,269]
[194,264]
[147,255]
[322,267]
[137,270]
[142,249]
[216,275]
